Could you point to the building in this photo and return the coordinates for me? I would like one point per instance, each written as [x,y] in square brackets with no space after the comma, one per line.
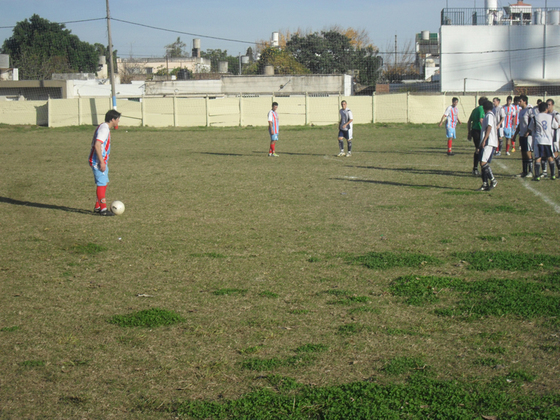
[427,54]
[493,49]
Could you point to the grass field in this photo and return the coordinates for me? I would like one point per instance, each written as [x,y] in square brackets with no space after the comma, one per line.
[306,286]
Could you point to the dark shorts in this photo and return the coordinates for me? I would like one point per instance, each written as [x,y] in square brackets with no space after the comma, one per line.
[343,134]
[475,134]
[543,151]
[524,143]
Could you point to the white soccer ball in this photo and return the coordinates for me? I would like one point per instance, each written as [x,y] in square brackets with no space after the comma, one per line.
[117,207]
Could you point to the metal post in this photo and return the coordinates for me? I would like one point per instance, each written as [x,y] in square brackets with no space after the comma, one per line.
[306,108]
[240,109]
[207,113]
[373,108]
[112,70]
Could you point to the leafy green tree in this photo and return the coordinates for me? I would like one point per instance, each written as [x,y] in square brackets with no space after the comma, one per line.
[39,48]
[333,52]
[218,55]
[176,49]
[282,61]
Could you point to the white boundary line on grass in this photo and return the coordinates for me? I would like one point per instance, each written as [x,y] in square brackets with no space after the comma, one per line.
[539,194]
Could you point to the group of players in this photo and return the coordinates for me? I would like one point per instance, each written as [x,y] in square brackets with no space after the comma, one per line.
[490,123]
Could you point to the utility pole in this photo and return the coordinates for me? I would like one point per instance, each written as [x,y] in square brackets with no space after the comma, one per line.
[112,70]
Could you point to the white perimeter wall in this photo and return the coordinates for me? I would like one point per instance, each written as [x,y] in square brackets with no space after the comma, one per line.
[518,56]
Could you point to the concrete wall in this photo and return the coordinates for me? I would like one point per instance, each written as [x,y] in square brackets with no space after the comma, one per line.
[240,111]
[491,57]
[233,85]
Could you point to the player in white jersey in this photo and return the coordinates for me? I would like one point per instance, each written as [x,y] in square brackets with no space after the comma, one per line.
[525,139]
[451,118]
[345,130]
[487,145]
[500,115]
[542,127]
[556,133]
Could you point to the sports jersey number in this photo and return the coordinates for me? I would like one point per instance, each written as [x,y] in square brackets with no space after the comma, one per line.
[544,125]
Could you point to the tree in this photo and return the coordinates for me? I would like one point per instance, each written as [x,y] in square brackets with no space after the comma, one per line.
[39,47]
[282,61]
[218,55]
[335,52]
[177,49]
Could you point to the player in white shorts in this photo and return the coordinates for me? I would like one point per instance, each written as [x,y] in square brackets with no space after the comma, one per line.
[542,127]
[500,115]
[556,133]
[487,146]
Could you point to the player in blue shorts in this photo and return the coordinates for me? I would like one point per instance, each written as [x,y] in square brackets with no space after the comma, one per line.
[99,159]
[451,114]
[273,129]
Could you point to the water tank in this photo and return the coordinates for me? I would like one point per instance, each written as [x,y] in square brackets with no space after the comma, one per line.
[275,37]
[425,35]
[4,61]
[102,60]
[539,17]
[222,66]
[553,17]
[269,70]
[491,4]
[196,43]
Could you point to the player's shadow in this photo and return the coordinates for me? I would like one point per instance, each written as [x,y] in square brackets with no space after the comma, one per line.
[418,171]
[292,153]
[222,154]
[396,184]
[42,206]
[424,151]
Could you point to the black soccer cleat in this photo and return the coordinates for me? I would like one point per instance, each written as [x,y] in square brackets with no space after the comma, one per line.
[106,213]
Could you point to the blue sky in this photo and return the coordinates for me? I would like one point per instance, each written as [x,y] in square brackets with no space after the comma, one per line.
[244,20]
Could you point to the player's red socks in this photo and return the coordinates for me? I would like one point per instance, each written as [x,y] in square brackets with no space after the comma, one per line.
[507,148]
[449,144]
[272,147]
[101,198]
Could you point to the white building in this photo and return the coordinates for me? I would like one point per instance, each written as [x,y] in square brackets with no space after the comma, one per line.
[491,49]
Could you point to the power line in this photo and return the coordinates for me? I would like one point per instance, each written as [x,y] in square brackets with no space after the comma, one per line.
[183,33]
[61,23]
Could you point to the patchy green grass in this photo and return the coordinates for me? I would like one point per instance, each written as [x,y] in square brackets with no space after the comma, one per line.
[147,318]
[507,260]
[419,398]
[386,260]
[489,297]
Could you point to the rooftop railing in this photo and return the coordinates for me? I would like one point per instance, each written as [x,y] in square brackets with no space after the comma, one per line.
[500,17]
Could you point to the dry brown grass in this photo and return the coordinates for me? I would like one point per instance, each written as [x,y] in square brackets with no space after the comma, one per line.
[208,210]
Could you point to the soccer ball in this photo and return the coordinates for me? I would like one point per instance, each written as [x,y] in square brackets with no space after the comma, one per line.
[117,207]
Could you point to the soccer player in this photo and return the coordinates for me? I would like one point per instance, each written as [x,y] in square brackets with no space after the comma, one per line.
[542,126]
[556,133]
[487,146]
[99,158]
[451,114]
[474,131]
[273,129]
[515,120]
[509,111]
[500,116]
[525,140]
[345,130]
